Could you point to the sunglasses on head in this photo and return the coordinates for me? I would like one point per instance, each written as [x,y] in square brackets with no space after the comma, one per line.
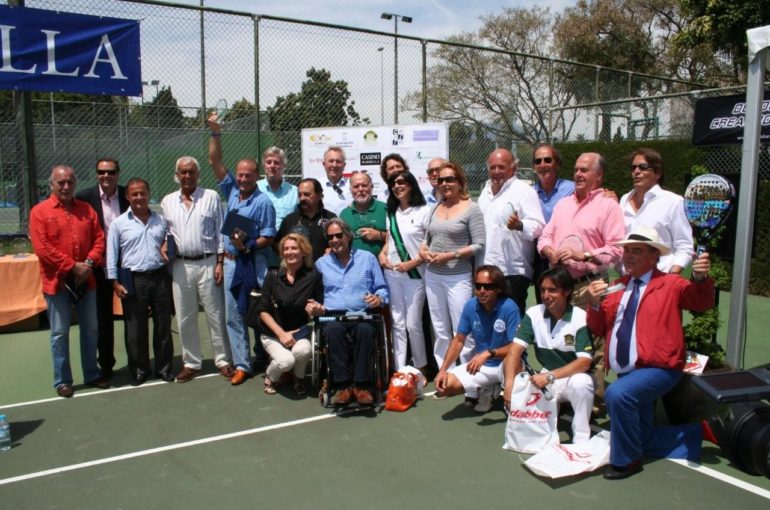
[106,172]
[449,180]
[485,286]
[547,161]
[642,166]
[338,235]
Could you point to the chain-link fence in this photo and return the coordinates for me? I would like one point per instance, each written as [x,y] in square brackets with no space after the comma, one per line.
[278,76]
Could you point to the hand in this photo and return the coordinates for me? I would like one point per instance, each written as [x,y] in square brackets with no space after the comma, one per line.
[540,380]
[385,263]
[475,364]
[550,254]
[567,254]
[440,381]
[701,267]
[514,223]
[119,289]
[81,270]
[595,288]
[372,300]
[287,338]
[213,123]
[403,267]
[313,308]
[238,238]
[370,234]
[507,396]
[164,253]
[219,273]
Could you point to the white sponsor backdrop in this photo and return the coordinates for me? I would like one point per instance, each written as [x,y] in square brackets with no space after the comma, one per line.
[366,146]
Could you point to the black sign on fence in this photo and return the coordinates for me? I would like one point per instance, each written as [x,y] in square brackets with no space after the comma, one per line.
[719,120]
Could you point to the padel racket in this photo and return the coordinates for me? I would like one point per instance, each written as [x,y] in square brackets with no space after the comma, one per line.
[708,201]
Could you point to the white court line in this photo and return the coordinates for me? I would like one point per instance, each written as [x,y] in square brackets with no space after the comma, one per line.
[96,392]
[142,453]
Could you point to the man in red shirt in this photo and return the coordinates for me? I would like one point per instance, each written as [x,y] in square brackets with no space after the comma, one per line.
[645,347]
[69,242]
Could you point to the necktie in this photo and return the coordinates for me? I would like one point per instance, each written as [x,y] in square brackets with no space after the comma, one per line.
[627,325]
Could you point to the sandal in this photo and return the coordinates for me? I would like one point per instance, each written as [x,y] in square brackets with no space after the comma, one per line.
[269,388]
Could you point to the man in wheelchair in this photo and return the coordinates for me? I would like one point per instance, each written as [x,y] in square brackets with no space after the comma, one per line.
[353,282]
[492,319]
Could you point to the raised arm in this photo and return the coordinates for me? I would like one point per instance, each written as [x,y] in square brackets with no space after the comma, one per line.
[215,147]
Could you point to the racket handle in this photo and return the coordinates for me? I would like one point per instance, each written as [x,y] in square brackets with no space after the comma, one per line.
[700,251]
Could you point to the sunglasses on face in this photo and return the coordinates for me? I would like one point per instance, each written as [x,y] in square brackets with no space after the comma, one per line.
[547,161]
[449,180]
[642,166]
[106,172]
[400,182]
[338,235]
[485,286]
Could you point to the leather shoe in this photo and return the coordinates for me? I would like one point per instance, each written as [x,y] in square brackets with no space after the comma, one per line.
[614,472]
[343,397]
[107,373]
[64,391]
[139,379]
[167,376]
[187,374]
[363,396]
[100,383]
[239,377]
[227,371]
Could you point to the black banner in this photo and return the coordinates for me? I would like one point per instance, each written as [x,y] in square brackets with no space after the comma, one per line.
[719,120]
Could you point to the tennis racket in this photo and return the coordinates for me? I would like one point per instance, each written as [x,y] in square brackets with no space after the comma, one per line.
[708,201]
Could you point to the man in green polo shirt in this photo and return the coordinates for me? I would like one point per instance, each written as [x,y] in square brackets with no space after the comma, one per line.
[365,216]
[563,346]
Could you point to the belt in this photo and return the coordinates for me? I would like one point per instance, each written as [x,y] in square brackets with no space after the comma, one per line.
[195,257]
[152,272]
[228,256]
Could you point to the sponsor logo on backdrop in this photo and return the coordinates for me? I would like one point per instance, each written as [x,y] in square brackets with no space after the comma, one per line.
[320,139]
[425,135]
[398,136]
[370,137]
[371,158]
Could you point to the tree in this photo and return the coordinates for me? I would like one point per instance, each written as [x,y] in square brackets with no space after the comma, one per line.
[320,102]
[162,112]
[241,108]
[721,26]
[506,93]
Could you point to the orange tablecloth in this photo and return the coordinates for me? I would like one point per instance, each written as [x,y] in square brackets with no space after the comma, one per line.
[21,295]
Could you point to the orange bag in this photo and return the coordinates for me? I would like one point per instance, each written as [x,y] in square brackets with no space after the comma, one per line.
[402,392]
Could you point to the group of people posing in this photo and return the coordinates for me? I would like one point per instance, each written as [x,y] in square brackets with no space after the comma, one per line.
[331,248]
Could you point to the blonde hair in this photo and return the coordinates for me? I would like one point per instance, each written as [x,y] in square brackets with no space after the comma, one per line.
[304,247]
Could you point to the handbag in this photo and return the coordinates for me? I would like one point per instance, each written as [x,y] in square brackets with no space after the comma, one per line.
[402,392]
[560,460]
[531,425]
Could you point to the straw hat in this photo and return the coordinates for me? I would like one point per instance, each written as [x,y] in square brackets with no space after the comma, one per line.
[645,235]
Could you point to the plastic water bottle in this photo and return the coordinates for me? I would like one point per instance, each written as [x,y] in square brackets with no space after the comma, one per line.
[5,433]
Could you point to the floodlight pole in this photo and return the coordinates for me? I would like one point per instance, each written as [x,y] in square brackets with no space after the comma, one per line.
[405,19]
[382,86]
[736,327]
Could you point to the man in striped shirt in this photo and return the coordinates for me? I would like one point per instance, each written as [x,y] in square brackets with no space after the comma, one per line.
[194,217]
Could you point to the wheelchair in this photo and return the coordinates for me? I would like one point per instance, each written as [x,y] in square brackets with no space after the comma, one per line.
[321,366]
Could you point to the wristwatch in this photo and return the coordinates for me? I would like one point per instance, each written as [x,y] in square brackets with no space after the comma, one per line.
[587,255]
[491,353]
[550,378]
[457,254]
[89,262]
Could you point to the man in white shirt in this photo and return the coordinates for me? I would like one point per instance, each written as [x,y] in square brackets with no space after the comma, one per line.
[194,217]
[336,193]
[650,205]
[513,219]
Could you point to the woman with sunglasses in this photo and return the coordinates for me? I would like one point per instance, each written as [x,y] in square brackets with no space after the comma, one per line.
[454,237]
[285,296]
[403,267]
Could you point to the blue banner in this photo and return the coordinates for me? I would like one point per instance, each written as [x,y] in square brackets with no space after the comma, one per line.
[62,52]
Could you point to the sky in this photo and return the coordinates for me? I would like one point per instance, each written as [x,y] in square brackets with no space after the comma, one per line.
[433,19]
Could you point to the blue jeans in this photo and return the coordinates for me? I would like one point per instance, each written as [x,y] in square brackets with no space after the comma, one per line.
[236,327]
[60,318]
[631,405]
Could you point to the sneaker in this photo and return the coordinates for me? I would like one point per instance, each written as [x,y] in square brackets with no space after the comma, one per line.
[470,401]
[187,374]
[485,401]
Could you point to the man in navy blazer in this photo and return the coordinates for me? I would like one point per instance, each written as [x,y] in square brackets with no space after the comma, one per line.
[109,201]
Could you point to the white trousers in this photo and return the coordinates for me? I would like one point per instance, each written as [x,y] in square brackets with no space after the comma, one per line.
[407,297]
[193,283]
[283,359]
[447,294]
[578,390]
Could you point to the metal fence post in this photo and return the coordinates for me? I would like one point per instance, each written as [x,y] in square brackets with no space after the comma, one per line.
[203,67]
[256,83]
[424,80]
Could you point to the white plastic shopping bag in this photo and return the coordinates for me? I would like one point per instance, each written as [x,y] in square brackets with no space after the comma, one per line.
[421,380]
[559,460]
[531,425]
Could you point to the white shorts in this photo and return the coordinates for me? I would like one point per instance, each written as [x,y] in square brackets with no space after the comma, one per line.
[486,377]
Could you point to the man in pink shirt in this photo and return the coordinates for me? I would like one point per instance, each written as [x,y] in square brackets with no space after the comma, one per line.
[581,236]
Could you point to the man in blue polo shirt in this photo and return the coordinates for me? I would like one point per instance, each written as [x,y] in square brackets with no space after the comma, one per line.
[492,321]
